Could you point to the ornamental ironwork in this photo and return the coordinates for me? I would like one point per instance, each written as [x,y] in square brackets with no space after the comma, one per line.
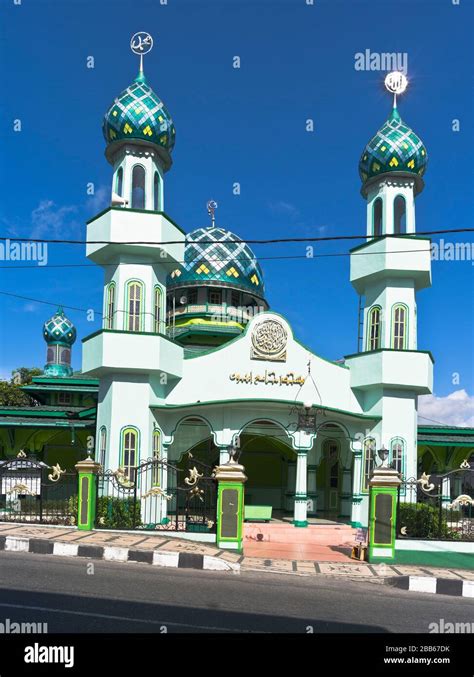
[438,506]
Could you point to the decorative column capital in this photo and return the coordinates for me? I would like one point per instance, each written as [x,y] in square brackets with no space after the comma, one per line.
[88,465]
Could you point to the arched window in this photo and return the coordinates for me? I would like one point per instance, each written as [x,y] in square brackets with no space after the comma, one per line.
[397,454]
[369,462]
[157,310]
[64,355]
[156,192]
[399,215]
[102,446]
[138,187]
[375,327]
[399,327]
[156,456]
[129,456]
[51,355]
[119,182]
[135,300]
[378,217]
[110,308]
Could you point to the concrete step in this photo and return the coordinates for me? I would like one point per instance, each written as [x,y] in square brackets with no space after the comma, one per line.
[316,534]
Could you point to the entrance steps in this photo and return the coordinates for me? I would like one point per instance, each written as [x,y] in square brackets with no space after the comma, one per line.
[313,534]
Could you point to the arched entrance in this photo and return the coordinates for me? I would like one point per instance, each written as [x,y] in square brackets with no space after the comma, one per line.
[267,455]
[329,478]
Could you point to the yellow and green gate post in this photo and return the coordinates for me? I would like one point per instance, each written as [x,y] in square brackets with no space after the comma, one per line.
[230,505]
[86,505]
[383,500]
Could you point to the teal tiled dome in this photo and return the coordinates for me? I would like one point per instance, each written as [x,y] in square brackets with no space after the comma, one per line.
[395,148]
[138,114]
[217,255]
[58,329]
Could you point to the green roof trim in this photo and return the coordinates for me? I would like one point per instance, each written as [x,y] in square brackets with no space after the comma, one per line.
[238,338]
[266,401]
[138,211]
[42,412]
[69,380]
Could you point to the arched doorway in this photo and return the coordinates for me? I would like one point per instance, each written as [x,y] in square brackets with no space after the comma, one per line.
[267,455]
[329,478]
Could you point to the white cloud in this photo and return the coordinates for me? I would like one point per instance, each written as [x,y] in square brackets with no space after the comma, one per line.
[284,208]
[52,221]
[456,409]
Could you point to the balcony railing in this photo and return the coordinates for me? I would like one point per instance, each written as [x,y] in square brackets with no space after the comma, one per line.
[224,311]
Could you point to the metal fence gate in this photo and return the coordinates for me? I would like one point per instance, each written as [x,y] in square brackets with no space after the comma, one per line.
[35,493]
[438,506]
[158,495]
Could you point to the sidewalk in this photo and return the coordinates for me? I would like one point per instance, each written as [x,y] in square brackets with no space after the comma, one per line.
[163,550]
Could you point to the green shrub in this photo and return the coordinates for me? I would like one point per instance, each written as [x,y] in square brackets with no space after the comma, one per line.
[422,520]
[118,513]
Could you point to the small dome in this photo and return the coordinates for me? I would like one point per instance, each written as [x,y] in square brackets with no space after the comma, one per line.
[138,114]
[395,148]
[58,329]
[217,255]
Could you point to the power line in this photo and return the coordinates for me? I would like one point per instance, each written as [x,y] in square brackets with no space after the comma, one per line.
[216,258]
[280,240]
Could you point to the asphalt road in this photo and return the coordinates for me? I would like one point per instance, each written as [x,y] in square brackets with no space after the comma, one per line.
[140,598]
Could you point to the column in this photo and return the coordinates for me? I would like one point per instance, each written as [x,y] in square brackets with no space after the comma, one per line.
[301,496]
[224,456]
[356,517]
[86,504]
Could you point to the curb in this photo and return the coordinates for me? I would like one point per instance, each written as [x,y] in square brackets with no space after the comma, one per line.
[162,558]
[440,586]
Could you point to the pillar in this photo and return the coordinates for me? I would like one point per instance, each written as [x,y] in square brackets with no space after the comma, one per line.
[86,505]
[356,516]
[230,505]
[383,497]
[301,496]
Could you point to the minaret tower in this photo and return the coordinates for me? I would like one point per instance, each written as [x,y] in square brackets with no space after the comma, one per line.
[390,372]
[59,334]
[131,355]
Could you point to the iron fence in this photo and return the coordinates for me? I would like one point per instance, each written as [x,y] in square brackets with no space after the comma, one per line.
[33,492]
[157,495]
[438,506]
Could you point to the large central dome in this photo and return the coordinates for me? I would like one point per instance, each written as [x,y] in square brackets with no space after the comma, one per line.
[215,255]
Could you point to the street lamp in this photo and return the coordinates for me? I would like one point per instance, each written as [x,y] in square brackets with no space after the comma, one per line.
[383,455]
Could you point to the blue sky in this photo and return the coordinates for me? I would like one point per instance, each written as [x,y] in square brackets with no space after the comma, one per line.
[242,125]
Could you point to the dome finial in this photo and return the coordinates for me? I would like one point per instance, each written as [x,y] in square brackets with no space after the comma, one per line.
[140,44]
[211,210]
[395,83]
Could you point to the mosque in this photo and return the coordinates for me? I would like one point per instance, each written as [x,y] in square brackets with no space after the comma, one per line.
[191,358]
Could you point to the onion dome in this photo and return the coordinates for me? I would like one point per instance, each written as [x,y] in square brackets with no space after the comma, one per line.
[139,115]
[394,149]
[215,255]
[58,329]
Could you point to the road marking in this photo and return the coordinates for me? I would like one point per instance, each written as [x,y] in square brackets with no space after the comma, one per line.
[120,618]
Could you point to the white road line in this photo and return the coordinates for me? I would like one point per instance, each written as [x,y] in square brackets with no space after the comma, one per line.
[118,618]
